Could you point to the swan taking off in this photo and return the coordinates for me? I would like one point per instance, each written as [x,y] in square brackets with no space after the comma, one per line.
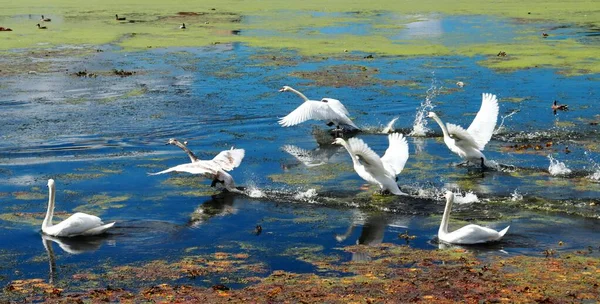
[330,110]
[378,171]
[77,224]
[470,234]
[214,169]
[469,143]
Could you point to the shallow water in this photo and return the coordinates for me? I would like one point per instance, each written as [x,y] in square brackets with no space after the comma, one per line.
[99,137]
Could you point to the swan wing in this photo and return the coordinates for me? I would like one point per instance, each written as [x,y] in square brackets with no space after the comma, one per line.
[199,167]
[368,158]
[307,157]
[310,109]
[76,224]
[396,155]
[229,159]
[462,137]
[390,126]
[337,106]
[482,127]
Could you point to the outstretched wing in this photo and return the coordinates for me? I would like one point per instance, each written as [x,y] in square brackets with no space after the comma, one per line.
[396,155]
[199,167]
[368,158]
[483,125]
[228,159]
[310,109]
[462,137]
[337,106]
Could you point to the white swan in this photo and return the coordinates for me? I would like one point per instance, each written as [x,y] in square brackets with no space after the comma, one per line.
[214,169]
[389,128]
[378,171]
[470,234]
[77,224]
[330,110]
[469,143]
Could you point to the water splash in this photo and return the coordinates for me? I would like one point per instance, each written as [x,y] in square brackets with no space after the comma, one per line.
[516,196]
[467,198]
[390,126]
[595,177]
[255,193]
[307,195]
[557,168]
[501,126]
[420,124]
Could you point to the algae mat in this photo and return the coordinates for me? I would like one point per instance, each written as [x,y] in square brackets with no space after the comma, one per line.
[422,28]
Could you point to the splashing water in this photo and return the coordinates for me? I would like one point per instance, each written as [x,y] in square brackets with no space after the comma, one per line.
[420,124]
[501,126]
[467,198]
[516,196]
[255,192]
[595,177]
[557,168]
[306,195]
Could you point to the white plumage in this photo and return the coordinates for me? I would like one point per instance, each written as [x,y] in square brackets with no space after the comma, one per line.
[375,170]
[327,109]
[77,224]
[469,143]
[470,234]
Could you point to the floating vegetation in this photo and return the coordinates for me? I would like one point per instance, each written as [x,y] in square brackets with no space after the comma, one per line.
[98,203]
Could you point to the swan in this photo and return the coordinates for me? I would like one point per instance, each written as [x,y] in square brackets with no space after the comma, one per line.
[328,109]
[378,171]
[182,26]
[45,19]
[470,234]
[41,27]
[214,169]
[77,224]
[469,143]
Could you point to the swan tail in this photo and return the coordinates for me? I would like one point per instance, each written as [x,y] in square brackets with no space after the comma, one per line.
[99,229]
[503,231]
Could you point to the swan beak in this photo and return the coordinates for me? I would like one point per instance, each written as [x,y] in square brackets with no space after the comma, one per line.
[282,90]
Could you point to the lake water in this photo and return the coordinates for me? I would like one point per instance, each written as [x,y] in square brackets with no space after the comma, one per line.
[99,137]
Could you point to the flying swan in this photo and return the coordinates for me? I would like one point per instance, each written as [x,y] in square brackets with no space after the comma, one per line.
[214,169]
[469,143]
[330,110]
[470,234]
[378,171]
[76,225]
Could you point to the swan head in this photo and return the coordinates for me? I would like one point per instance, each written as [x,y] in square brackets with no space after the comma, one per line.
[50,183]
[449,196]
[171,141]
[431,115]
[338,141]
[285,89]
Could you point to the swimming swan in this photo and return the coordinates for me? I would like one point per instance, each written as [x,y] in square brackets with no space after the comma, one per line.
[330,110]
[77,224]
[469,143]
[378,171]
[470,234]
[214,169]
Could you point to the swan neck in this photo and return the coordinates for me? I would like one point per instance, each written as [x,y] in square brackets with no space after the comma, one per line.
[444,224]
[442,125]
[298,93]
[189,152]
[50,212]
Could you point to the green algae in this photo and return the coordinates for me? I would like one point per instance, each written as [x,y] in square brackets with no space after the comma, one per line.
[98,203]
[280,25]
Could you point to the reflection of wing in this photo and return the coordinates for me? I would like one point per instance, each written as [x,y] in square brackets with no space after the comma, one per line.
[310,109]
[396,155]
[77,245]
[311,158]
[218,205]
[482,127]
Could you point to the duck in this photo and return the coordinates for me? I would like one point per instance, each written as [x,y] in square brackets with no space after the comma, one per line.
[545,35]
[5,29]
[45,19]
[375,170]
[41,27]
[469,143]
[215,169]
[469,234]
[78,224]
[330,110]
[559,107]
[182,26]
[119,18]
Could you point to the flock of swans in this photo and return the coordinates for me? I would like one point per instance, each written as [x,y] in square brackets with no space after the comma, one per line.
[380,171]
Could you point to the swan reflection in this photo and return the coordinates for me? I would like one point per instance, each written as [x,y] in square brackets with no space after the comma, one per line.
[312,158]
[221,204]
[372,232]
